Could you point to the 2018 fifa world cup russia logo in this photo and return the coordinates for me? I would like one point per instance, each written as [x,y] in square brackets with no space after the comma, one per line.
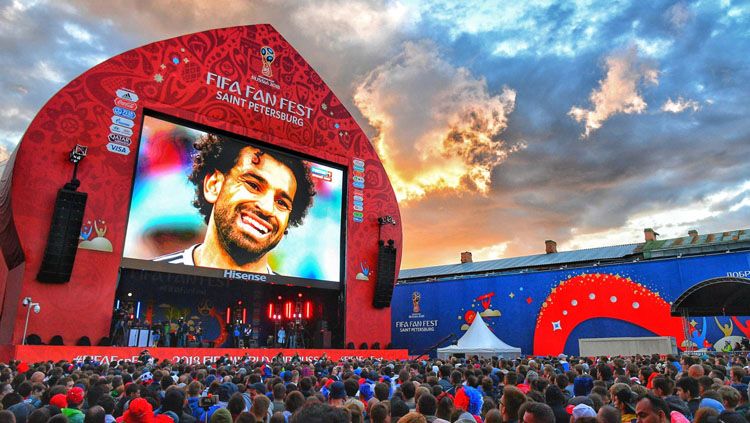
[268,56]
[415,297]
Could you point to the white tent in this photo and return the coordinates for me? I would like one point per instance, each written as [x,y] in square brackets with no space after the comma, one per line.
[479,340]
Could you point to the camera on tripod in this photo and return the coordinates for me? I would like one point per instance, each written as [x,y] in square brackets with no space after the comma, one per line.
[207,401]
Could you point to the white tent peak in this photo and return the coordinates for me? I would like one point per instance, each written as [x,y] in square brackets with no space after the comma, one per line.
[480,336]
[480,340]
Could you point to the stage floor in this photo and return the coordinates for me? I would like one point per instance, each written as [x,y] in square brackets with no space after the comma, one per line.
[39,353]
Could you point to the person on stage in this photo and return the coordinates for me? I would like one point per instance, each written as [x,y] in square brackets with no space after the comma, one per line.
[281,337]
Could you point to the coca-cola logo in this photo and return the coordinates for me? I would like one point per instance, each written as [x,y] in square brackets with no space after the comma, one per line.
[125,104]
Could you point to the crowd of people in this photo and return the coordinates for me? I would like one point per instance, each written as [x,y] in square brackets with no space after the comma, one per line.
[642,389]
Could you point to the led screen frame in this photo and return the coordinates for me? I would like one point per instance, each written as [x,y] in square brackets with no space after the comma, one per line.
[162,220]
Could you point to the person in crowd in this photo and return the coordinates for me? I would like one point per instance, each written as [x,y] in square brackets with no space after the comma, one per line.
[609,414]
[652,409]
[148,390]
[687,389]
[538,412]
[73,410]
[510,403]
[730,397]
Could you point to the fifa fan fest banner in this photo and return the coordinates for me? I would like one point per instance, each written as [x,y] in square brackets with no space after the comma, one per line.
[546,313]
[41,353]
[220,155]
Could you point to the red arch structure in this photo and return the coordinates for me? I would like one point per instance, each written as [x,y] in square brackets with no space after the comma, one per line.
[187,78]
[600,295]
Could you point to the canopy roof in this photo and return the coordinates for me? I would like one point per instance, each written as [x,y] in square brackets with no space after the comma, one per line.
[715,297]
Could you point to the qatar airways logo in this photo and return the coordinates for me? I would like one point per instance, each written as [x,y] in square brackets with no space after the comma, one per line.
[244,276]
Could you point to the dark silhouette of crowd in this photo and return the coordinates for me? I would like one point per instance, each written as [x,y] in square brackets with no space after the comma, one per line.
[642,389]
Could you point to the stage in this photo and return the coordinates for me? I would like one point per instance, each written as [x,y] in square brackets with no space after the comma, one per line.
[40,353]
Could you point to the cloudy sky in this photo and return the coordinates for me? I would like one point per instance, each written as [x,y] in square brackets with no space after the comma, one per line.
[502,124]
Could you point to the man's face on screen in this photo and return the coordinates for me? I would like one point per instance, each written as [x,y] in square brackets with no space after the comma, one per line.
[253,206]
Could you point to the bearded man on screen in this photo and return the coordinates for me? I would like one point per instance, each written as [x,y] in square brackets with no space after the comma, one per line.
[248,197]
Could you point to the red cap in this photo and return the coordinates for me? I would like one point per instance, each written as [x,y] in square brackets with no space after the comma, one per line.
[59,401]
[139,411]
[75,396]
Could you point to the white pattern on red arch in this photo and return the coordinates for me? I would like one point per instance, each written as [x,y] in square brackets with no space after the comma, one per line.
[605,296]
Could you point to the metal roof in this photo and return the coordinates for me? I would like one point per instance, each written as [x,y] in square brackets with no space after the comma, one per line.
[697,244]
[538,260]
[662,248]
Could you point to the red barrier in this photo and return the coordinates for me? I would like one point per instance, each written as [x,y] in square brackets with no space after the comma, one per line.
[38,353]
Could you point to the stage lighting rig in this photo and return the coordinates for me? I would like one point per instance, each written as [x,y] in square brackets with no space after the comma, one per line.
[386,220]
[76,155]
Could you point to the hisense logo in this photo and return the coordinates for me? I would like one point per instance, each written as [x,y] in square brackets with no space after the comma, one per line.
[244,276]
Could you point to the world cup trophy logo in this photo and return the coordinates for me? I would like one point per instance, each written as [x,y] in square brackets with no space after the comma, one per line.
[415,297]
[268,57]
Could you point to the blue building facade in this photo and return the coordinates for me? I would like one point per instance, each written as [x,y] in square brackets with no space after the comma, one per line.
[546,312]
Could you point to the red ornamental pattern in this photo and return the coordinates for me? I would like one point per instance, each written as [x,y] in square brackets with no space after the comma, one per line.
[598,295]
[171,77]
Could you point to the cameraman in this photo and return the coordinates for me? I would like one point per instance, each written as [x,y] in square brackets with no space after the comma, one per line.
[202,407]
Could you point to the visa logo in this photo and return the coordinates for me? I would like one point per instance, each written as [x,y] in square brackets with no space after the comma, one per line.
[117,129]
[119,120]
[126,94]
[128,114]
[119,149]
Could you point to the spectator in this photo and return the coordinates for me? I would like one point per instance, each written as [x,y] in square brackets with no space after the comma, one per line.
[510,402]
[412,417]
[687,390]
[652,409]
[609,414]
[379,413]
[555,398]
[730,398]
[537,412]
[94,414]
[72,411]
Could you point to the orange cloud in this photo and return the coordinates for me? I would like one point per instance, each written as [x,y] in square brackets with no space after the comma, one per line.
[437,126]
[618,92]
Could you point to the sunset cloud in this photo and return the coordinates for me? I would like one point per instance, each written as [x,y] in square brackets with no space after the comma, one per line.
[679,105]
[363,23]
[618,92]
[470,106]
[437,126]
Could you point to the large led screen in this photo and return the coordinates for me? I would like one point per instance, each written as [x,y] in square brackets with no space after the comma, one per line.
[212,204]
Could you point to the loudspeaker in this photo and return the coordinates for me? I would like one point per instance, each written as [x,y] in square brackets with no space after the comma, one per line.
[386,274]
[62,243]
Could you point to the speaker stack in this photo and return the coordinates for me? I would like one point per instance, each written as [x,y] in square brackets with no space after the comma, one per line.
[386,274]
[62,243]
